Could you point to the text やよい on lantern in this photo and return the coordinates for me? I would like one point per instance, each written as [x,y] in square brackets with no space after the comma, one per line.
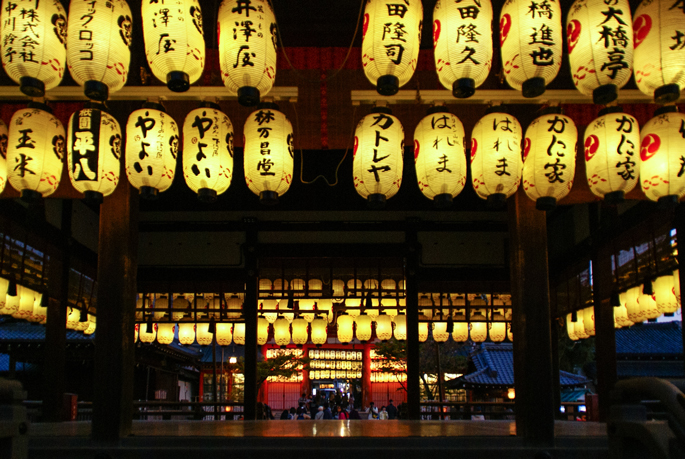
[531,42]
[378,156]
[391,37]
[611,146]
[496,163]
[600,47]
[462,44]
[35,151]
[549,158]
[98,45]
[152,144]
[174,41]
[208,151]
[248,40]
[33,45]
[269,152]
[439,156]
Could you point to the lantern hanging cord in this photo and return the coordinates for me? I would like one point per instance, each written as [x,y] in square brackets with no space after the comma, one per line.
[349,50]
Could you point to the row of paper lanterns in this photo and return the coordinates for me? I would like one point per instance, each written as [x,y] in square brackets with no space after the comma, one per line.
[633,306]
[605,45]
[36,151]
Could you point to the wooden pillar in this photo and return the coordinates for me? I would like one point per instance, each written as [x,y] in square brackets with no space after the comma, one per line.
[56,325]
[412,297]
[533,377]
[250,316]
[366,377]
[116,293]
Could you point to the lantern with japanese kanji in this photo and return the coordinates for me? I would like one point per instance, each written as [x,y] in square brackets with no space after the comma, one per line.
[661,150]
[611,161]
[224,334]
[208,151]
[390,43]
[3,155]
[248,40]
[600,47]
[659,63]
[33,45]
[35,151]
[345,328]
[531,44]
[268,153]
[549,158]
[93,153]
[439,156]
[496,163]
[364,331]
[98,46]
[462,44]
[378,156]
[174,41]
[152,145]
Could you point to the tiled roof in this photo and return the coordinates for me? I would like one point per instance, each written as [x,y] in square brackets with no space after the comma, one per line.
[28,332]
[669,369]
[663,339]
[495,367]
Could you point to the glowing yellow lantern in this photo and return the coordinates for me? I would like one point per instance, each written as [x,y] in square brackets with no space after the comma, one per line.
[224,334]
[262,331]
[152,144]
[325,308]
[27,297]
[589,320]
[208,151]
[676,285]
[179,306]
[647,305]
[570,327]
[460,327]
[440,333]
[549,158]
[611,165]
[423,332]
[364,330]
[35,151]
[629,298]
[510,333]
[621,314]
[600,47]
[338,287]
[268,153]
[345,329]
[384,327]
[34,44]
[239,333]
[40,311]
[98,46]
[531,42]
[93,153]
[400,327]
[92,325]
[282,332]
[389,306]
[234,304]
[352,306]
[307,305]
[202,334]
[498,330]
[165,333]
[439,156]
[319,333]
[73,315]
[186,333]
[378,156]
[660,151]
[3,156]
[174,41]
[390,43]
[580,326]
[658,62]
[462,43]
[664,295]
[479,327]
[496,163]
[146,336]
[300,332]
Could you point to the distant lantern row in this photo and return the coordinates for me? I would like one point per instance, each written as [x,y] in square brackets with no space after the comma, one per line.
[638,304]
[605,46]
[94,44]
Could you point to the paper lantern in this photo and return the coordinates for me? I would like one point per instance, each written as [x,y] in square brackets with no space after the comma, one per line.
[92,325]
[35,151]
[479,327]
[186,333]
[384,327]
[496,163]
[364,330]
[319,333]
[152,145]
[600,47]
[300,332]
[531,43]
[33,46]
[208,152]
[146,336]
[135,333]
[676,285]
[239,333]
[268,153]
[579,325]
[93,153]
[345,332]
[40,312]
[510,333]
[462,44]
[282,332]
[658,61]
[378,156]
[611,163]
[460,328]
[440,333]
[621,316]
[389,304]
[635,314]
[174,41]
[202,334]
[400,327]
[307,305]
[27,298]
[3,156]
[179,306]
[423,332]
[9,303]
[589,320]
[647,306]
[498,330]
[235,304]
[570,327]
[248,41]
[283,306]
[549,159]
[262,331]
[439,156]
[390,43]
[661,151]
[98,46]
[224,334]
[325,306]
[664,295]
[165,333]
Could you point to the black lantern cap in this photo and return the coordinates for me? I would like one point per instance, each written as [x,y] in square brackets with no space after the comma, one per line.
[178,81]
[207,195]
[248,96]
[496,200]
[32,87]
[605,94]
[647,288]
[546,203]
[96,90]
[665,109]
[148,192]
[463,88]
[376,201]
[93,197]
[12,288]
[31,196]
[268,198]
[388,85]
[615,299]
[667,93]
[533,87]
[442,201]
[615,197]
